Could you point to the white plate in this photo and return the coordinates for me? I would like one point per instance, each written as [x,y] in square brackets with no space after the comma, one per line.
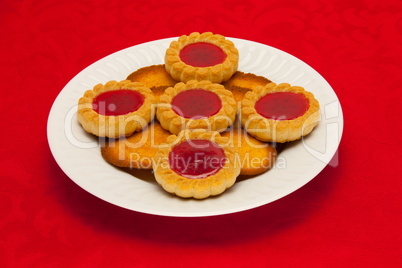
[78,155]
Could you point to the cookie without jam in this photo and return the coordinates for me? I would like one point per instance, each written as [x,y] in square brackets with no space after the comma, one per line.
[253,156]
[138,150]
[153,76]
[240,83]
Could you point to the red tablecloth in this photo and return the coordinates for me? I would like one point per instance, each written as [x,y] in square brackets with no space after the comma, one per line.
[348,216]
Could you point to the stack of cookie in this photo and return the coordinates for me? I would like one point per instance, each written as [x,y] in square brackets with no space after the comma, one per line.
[195,120]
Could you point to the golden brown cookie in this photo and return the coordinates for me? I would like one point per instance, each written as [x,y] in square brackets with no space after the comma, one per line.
[204,56]
[253,156]
[138,150]
[158,91]
[116,109]
[196,105]
[197,164]
[279,113]
[240,83]
[246,80]
[153,76]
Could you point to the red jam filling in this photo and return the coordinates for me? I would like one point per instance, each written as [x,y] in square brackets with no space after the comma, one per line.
[117,102]
[202,54]
[196,103]
[282,105]
[196,159]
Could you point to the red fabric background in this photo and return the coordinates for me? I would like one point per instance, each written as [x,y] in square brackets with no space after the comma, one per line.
[348,216]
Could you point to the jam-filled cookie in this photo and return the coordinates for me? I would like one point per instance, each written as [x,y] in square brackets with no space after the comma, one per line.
[253,156]
[196,164]
[196,105]
[279,113]
[138,150]
[204,56]
[116,109]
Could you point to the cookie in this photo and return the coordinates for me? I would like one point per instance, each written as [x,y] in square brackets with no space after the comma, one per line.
[204,56]
[136,151]
[253,156]
[279,113]
[196,105]
[241,83]
[153,76]
[158,91]
[197,164]
[116,109]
